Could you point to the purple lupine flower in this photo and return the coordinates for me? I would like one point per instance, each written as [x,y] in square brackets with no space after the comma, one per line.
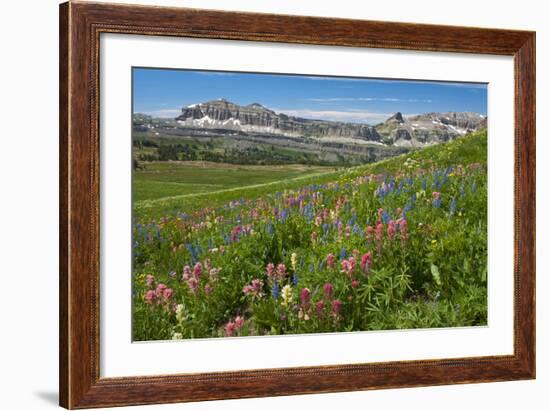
[275,290]
[343,253]
[453,206]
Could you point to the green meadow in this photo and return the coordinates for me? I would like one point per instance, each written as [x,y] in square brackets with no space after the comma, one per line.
[227,250]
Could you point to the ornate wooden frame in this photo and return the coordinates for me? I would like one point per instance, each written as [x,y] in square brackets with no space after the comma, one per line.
[80,27]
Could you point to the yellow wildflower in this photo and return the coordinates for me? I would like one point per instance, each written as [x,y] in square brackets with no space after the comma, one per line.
[286,294]
[294,261]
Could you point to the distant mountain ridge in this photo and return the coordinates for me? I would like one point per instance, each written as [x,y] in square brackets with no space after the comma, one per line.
[413,131]
[429,128]
[257,118]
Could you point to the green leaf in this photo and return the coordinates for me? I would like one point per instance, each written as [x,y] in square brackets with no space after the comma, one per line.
[484,274]
[466,266]
[435,274]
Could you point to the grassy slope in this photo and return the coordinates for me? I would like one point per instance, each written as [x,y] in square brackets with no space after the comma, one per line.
[169,179]
[159,191]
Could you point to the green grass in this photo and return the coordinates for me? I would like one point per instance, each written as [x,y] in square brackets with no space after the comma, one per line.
[165,187]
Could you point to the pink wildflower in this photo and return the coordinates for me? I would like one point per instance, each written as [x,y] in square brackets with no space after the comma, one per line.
[160,289]
[230,329]
[193,284]
[355,283]
[328,289]
[330,260]
[370,232]
[149,280]
[270,269]
[379,231]
[257,284]
[150,297]
[239,322]
[435,195]
[167,293]
[319,308]
[366,262]
[347,232]
[336,308]
[197,270]
[235,233]
[339,226]
[391,229]
[348,266]
[186,273]
[254,288]
[305,296]
[403,229]
[281,271]
[208,289]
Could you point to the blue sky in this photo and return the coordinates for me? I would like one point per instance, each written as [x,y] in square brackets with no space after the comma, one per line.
[163,92]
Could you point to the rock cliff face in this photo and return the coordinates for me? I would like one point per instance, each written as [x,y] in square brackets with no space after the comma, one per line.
[429,128]
[414,131]
[257,118]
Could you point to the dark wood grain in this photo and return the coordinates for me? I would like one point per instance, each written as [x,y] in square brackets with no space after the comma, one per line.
[525,202]
[80,27]
[63,205]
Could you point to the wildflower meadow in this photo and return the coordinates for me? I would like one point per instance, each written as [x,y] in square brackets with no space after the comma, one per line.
[397,244]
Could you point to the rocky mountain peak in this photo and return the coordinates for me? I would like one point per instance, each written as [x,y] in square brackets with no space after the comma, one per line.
[255,105]
[396,118]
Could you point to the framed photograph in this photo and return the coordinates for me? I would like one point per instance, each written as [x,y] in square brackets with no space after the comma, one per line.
[259,205]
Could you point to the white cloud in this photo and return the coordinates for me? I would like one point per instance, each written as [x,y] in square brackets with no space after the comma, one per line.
[330,99]
[336,99]
[349,116]
[164,113]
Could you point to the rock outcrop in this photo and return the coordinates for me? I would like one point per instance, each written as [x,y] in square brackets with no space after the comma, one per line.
[257,118]
[398,130]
